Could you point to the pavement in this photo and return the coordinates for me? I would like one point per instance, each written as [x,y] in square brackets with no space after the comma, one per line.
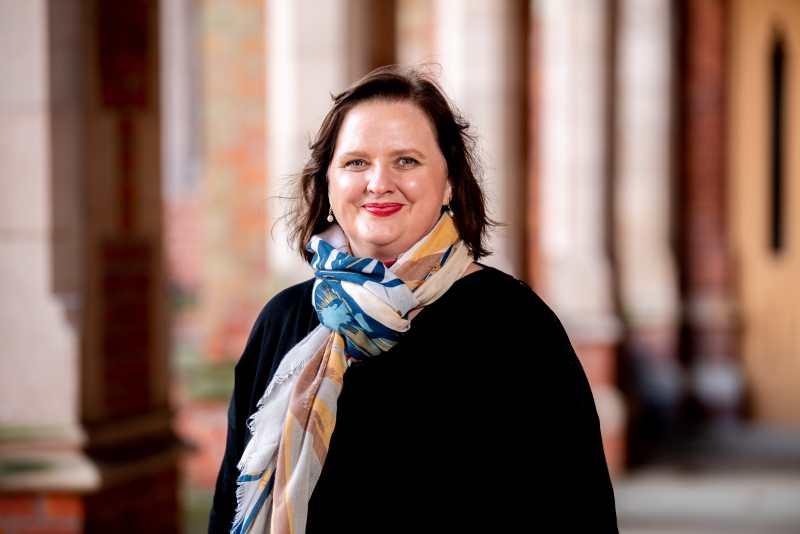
[670,501]
[734,480]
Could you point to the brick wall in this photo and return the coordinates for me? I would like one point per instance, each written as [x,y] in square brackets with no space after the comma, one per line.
[50,513]
[216,228]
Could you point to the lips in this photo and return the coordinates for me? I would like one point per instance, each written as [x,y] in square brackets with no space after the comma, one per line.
[383,209]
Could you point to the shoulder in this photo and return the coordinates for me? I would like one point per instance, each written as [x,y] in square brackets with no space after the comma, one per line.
[288,300]
[524,325]
[289,305]
[493,285]
[507,303]
[284,319]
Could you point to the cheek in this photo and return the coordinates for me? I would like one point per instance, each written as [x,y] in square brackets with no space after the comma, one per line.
[424,189]
[345,188]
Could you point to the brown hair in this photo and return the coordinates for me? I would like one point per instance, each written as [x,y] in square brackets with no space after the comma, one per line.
[308,215]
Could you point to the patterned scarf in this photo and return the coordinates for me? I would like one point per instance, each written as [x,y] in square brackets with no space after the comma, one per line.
[363,309]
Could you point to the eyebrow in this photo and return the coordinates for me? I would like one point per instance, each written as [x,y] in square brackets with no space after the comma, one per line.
[396,152]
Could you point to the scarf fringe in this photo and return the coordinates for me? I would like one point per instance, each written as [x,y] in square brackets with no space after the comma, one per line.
[236,527]
[240,506]
[242,486]
[276,380]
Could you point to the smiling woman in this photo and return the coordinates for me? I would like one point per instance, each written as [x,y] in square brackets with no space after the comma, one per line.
[344,417]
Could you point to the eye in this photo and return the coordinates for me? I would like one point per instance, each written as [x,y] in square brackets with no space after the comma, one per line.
[409,159]
[348,164]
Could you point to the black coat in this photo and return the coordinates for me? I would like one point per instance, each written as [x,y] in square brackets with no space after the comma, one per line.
[481,417]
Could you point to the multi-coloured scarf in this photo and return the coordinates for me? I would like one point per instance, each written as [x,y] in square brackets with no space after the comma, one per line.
[363,308]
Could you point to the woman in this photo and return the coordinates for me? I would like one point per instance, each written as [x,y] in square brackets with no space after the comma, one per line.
[407,387]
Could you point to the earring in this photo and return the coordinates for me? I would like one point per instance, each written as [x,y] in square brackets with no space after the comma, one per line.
[449,211]
[330,214]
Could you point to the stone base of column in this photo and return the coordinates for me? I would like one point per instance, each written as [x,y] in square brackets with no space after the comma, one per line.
[715,376]
[146,503]
[123,478]
[717,392]
[599,363]
[655,386]
[139,463]
[43,477]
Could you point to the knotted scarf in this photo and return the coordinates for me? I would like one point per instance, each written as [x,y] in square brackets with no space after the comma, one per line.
[363,308]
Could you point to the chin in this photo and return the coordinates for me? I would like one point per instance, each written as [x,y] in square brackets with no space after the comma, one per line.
[381,237]
[380,246]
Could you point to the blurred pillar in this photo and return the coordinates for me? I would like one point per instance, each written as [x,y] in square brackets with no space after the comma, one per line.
[85,320]
[717,382]
[648,284]
[125,373]
[482,49]
[415,31]
[314,49]
[575,272]
[371,29]
[306,60]
[43,470]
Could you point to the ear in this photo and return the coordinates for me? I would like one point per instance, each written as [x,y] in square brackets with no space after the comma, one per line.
[448,193]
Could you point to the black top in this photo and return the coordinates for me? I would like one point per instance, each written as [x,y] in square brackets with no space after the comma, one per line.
[481,417]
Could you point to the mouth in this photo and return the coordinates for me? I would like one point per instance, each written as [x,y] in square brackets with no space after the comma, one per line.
[383,209]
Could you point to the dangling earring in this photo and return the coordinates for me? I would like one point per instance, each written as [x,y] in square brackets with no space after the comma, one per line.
[330,214]
[449,211]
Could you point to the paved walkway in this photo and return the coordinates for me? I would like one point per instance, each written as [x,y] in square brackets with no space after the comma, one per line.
[669,501]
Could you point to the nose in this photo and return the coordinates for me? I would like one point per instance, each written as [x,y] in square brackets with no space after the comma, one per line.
[381,179]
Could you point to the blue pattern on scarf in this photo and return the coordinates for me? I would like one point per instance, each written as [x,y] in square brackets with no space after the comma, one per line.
[337,310]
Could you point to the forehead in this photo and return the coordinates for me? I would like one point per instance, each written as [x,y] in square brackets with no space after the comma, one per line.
[385,124]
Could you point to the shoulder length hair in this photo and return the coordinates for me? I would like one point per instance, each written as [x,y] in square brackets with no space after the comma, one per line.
[308,213]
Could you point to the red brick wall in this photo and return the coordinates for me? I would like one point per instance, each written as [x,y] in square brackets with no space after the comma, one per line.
[50,513]
[234,177]
[216,230]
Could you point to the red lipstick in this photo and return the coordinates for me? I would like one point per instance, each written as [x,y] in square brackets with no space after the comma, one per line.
[383,209]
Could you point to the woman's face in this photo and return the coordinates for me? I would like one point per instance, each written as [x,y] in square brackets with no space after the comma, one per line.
[387,180]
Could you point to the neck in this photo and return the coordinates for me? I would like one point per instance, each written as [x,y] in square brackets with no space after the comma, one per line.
[379,257]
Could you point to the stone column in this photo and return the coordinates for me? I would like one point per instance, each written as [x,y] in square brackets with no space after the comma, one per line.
[481,47]
[709,308]
[415,31]
[308,59]
[648,284]
[371,35]
[126,407]
[575,272]
[43,470]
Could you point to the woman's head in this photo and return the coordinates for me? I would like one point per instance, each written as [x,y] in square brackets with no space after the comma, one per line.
[391,138]
[387,179]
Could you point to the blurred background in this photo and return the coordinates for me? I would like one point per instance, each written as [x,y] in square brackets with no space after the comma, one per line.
[645,154]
